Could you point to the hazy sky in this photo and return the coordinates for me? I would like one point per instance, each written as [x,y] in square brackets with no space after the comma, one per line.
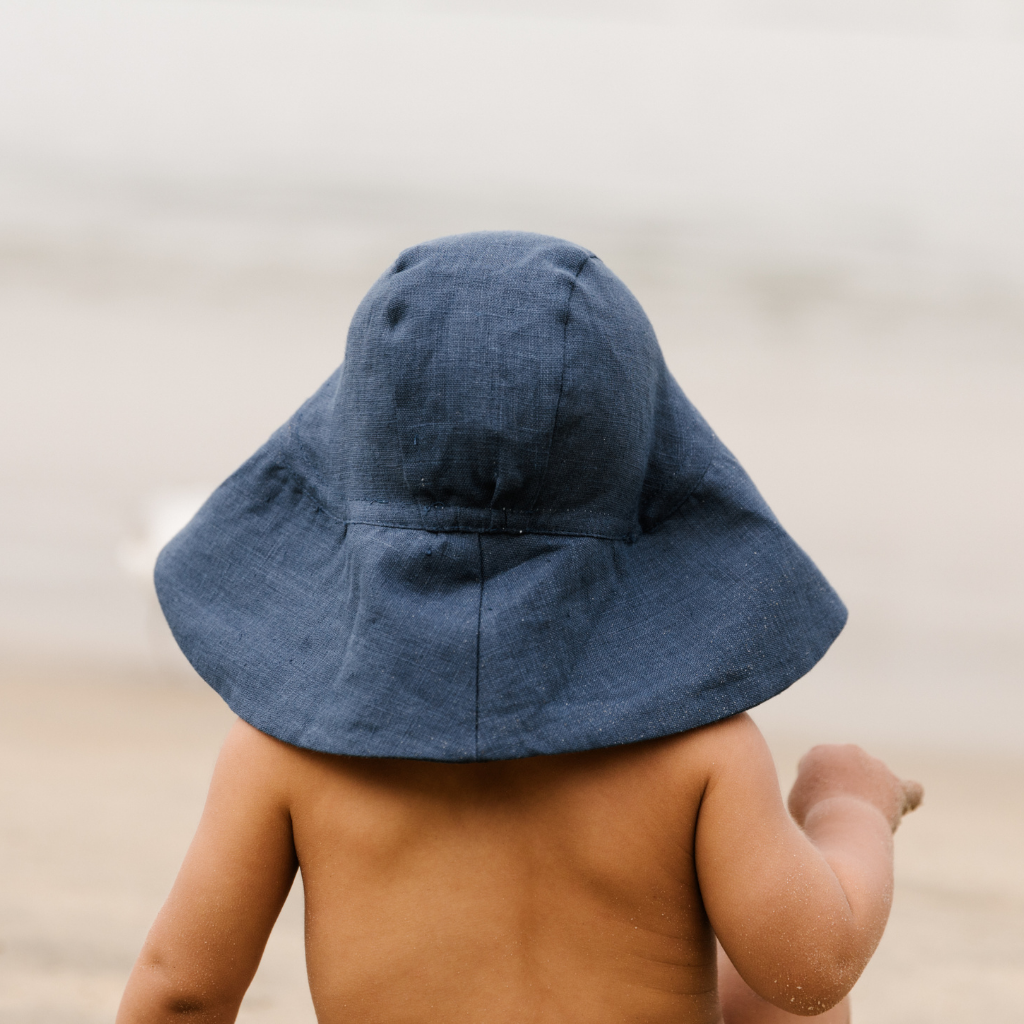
[897,124]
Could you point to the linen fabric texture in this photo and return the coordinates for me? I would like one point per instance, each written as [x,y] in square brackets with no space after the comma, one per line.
[498,530]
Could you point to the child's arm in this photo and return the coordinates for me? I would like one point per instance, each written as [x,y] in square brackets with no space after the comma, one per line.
[206,944]
[798,903]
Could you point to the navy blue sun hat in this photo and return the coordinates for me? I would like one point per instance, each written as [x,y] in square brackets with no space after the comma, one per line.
[498,530]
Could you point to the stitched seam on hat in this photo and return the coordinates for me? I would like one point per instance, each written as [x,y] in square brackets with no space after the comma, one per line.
[614,538]
[308,491]
[561,379]
[479,621]
[379,302]
[685,498]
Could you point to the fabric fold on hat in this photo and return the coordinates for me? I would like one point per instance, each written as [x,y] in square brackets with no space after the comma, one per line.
[498,530]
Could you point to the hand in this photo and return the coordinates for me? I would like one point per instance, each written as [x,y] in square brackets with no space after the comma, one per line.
[830,771]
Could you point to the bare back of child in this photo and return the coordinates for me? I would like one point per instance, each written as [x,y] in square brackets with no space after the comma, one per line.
[582,887]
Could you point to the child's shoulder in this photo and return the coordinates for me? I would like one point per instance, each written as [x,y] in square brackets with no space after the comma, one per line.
[730,738]
[257,764]
[670,772]
[725,745]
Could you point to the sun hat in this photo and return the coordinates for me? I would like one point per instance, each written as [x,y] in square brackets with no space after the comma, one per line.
[498,530]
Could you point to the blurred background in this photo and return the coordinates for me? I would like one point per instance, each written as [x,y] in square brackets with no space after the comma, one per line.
[819,202]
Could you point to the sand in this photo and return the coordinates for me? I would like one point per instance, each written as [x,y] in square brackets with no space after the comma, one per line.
[102,783]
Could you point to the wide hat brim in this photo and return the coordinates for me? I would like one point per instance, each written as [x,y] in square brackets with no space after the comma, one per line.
[362,639]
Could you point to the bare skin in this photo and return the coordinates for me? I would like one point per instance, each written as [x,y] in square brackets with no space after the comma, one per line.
[581,887]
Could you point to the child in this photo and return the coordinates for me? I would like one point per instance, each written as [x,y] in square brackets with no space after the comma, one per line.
[490,608]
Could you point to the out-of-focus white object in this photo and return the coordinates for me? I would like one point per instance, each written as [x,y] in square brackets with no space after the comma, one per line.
[165,514]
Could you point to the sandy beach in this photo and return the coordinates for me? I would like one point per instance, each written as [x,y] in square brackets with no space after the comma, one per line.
[103,782]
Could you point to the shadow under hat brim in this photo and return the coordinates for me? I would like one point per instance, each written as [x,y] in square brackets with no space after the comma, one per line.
[369,640]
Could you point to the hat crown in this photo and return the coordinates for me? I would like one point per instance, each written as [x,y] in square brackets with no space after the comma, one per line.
[506,381]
